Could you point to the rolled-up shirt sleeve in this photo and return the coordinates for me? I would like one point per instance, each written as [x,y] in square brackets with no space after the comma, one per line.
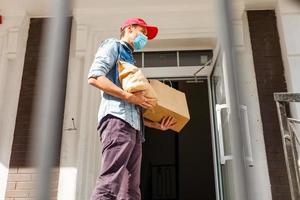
[105,59]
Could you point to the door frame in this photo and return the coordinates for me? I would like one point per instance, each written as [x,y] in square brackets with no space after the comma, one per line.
[183,73]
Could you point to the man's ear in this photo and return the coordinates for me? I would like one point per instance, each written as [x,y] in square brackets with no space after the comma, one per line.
[129,28]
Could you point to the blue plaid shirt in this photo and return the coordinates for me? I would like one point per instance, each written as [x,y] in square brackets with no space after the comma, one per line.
[104,64]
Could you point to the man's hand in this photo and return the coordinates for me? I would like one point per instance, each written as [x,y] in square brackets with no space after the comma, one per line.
[140,99]
[166,123]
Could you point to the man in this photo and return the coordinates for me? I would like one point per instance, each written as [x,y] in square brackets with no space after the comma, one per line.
[120,118]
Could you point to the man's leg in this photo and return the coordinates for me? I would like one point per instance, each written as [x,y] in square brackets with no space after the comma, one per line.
[134,171]
[117,144]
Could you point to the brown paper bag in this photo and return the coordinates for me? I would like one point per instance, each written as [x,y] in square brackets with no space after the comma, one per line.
[133,80]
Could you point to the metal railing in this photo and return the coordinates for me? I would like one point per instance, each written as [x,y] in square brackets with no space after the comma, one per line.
[290,139]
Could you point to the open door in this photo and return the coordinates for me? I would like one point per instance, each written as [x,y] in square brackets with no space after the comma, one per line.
[221,134]
[229,177]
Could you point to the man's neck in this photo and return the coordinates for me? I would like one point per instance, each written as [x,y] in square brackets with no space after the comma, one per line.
[127,41]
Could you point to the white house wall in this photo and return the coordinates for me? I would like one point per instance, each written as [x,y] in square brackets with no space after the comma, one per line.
[288,19]
[13,36]
[179,21]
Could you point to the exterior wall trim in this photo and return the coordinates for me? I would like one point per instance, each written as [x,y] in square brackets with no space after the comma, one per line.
[18,23]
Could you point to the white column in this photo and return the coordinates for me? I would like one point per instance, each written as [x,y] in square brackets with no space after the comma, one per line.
[248,95]
[79,161]
[89,141]
[13,39]
[72,131]
[288,20]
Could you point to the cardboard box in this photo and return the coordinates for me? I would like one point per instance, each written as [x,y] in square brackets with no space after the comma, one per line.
[171,102]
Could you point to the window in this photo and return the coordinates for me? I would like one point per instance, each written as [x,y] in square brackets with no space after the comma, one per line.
[172,58]
[194,58]
[138,59]
[160,59]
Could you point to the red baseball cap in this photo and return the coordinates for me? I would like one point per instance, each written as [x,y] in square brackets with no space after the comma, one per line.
[151,30]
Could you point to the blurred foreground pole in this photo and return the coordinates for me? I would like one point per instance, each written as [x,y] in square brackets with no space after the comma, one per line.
[49,104]
[225,35]
[226,38]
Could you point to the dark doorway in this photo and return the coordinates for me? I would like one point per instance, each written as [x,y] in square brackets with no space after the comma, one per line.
[180,166]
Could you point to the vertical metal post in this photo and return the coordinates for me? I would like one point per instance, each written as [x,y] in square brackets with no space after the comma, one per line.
[49,104]
[225,35]
[289,140]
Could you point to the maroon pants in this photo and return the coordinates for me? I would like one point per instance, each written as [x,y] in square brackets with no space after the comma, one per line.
[121,161]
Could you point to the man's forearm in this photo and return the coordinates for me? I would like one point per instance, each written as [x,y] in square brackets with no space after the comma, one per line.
[108,87]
